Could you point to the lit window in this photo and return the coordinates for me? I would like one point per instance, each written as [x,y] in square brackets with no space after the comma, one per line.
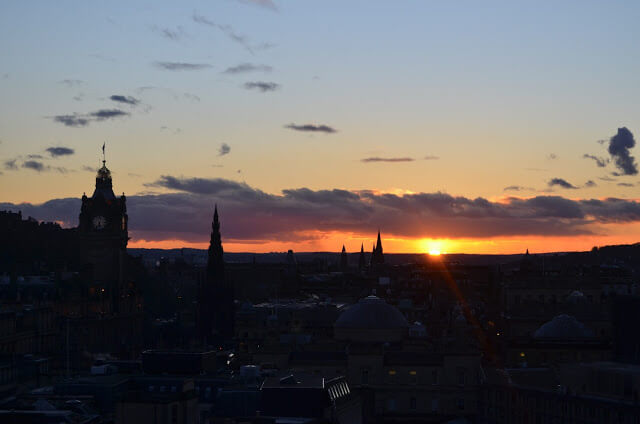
[392,372]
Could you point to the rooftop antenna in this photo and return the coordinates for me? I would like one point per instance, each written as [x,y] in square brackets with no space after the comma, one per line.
[104,157]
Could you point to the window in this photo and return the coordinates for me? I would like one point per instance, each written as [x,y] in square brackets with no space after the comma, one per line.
[413,403]
[434,405]
[460,403]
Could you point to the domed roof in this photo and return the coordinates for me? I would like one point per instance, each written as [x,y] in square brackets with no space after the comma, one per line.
[563,327]
[372,313]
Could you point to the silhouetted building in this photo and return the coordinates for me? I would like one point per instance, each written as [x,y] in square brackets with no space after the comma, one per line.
[361,259]
[377,257]
[103,232]
[216,308]
[344,263]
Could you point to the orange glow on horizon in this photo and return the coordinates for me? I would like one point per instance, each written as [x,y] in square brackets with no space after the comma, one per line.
[332,242]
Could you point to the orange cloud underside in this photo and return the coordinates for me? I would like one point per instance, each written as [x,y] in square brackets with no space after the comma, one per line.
[332,242]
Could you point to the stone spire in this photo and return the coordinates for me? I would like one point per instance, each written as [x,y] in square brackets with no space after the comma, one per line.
[378,256]
[344,264]
[215,262]
[361,260]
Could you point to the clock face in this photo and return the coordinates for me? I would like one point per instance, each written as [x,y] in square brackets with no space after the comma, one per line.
[99,222]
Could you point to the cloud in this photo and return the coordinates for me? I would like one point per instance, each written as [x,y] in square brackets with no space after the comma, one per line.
[10,164]
[619,146]
[590,183]
[552,156]
[626,184]
[124,99]
[248,213]
[560,183]
[74,120]
[518,188]
[103,114]
[247,67]
[71,82]
[261,85]
[171,34]
[267,4]
[605,178]
[192,97]
[431,157]
[224,149]
[393,160]
[89,168]
[231,34]
[82,120]
[36,156]
[60,151]
[601,162]
[312,128]
[181,66]
[34,164]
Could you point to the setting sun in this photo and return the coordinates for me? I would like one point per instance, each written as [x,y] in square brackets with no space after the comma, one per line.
[435,247]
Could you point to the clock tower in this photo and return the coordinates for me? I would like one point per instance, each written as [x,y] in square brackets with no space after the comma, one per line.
[103,233]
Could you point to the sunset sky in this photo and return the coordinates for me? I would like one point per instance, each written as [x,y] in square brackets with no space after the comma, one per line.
[458,126]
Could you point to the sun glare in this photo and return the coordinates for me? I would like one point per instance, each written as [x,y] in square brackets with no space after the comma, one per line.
[434,247]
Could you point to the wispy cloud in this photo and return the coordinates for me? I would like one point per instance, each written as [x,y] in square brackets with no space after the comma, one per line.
[262,86]
[224,149]
[168,33]
[82,120]
[230,32]
[552,156]
[181,66]
[246,68]
[431,157]
[601,162]
[71,82]
[267,4]
[518,188]
[33,164]
[60,151]
[560,182]
[311,128]
[10,164]
[391,160]
[124,99]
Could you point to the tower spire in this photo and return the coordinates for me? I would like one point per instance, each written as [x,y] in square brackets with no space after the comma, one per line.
[344,262]
[215,263]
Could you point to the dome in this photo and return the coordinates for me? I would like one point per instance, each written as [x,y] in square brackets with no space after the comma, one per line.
[563,327]
[371,319]
[372,312]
